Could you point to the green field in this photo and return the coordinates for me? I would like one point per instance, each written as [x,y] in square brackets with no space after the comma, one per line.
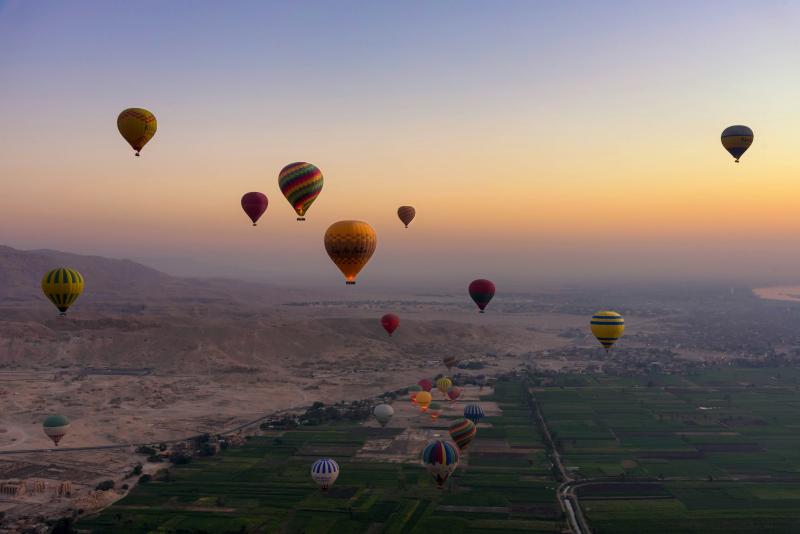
[723,445]
[265,486]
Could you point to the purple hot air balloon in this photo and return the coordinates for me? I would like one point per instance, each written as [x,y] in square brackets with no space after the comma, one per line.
[254,205]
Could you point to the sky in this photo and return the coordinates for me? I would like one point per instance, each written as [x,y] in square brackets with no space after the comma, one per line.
[540,142]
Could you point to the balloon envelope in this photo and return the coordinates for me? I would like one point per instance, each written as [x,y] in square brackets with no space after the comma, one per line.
[607,327]
[301,184]
[736,140]
[463,432]
[137,127]
[390,322]
[450,361]
[325,472]
[443,384]
[350,245]
[473,412]
[440,458]
[254,205]
[423,400]
[62,286]
[55,427]
[481,291]
[453,393]
[383,413]
[406,214]
[425,384]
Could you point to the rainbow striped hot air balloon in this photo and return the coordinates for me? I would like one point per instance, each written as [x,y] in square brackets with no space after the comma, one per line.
[463,432]
[736,140]
[440,458]
[473,412]
[607,327]
[325,472]
[301,184]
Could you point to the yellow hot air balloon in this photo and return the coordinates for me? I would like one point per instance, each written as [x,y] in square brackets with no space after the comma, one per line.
[350,245]
[137,126]
[444,384]
[607,327]
[424,400]
[62,286]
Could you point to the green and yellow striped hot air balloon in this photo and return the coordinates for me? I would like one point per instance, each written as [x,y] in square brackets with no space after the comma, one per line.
[607,327]
[62,286]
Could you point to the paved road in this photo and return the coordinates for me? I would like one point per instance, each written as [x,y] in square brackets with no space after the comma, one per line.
[566,496]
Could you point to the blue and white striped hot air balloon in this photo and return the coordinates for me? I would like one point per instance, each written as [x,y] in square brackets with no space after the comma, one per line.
[325,472]
[473,412]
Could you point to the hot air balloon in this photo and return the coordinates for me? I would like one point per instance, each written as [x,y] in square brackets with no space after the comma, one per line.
[55,427]
[450,361]
[736,140]
[325,472]
[390,322]
[406,214]
[473,412]
[463,432]
[423,400]
[254,205]
[443,384]
[383,413]
[481,292]
[440,458]
[350,245]
[137,126]
[434,410]
[607,327]
[453,393]
[301,184]
[412,393]
[425,384]
[62,286]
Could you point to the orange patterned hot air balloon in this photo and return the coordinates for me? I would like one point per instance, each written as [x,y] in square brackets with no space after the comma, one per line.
[350,244]
[406,214]
[424,400]
[137,126]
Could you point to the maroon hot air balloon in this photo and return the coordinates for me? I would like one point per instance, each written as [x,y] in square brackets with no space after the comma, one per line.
[390,322]
[481,291]
[254,205]
[425,384]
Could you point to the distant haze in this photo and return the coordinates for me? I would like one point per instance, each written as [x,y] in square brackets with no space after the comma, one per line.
[540,142]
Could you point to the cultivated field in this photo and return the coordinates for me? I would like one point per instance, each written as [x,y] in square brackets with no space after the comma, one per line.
[503,483]
[713,451]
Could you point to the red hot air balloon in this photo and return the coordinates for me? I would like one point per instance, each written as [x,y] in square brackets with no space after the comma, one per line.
[254,205]
[406,214]
[390,322]
[425,384]
[481,291]
[453,393]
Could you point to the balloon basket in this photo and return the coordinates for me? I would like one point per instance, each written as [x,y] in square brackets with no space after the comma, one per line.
[349,283]
[301,218]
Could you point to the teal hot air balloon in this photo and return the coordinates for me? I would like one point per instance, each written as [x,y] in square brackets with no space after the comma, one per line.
[736,140]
